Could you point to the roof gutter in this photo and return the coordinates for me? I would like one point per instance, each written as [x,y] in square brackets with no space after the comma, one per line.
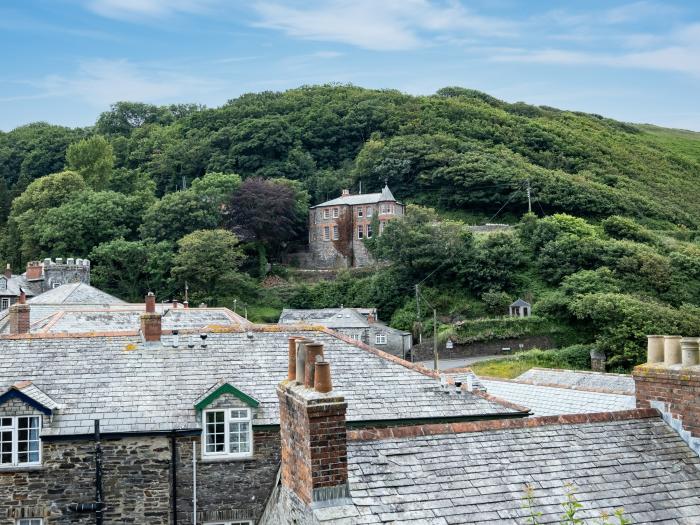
[119,435]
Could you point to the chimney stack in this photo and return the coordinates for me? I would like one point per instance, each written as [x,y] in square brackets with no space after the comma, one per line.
[671,384]
[19,317]
[35,271]
[151,326]
[150,303]
[8,271]
[174,304]
[314,440]
[345,193]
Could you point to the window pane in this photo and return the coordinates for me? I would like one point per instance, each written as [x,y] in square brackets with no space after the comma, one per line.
[28,439]
[239,438]
[215,432]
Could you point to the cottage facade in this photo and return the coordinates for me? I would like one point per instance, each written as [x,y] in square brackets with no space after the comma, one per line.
[338,227]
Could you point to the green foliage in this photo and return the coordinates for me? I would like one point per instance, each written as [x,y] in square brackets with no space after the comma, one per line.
[208,261]
[496,302]
[93,158]
[130,269]
[625,228]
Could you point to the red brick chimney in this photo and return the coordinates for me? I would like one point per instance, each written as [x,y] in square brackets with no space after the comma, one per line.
[35,271]
[19,318]
[150,302]
[8,271]
[670,383]
[151,326]
[314,440]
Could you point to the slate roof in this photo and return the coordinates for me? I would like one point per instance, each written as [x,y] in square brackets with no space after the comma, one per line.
[337,318]
[30,389]
[479,477]
[548,401]
[14,283]
[132,386]
[364,198]
[576,379]
[520,302]
[75,293]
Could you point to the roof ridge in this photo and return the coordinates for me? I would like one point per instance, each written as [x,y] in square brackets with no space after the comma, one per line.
[582,388]
[500,424]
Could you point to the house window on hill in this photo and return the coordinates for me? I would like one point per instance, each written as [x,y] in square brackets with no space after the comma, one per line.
[30,521]
[336,213]
[360,231]
[359,211]
[380,338]
[326,213]
[228,433]
[326,233]
[369,231]
[369,211]
[335,232]
[19,441]
[5,303]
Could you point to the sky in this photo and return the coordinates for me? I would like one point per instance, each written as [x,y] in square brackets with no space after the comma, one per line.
[66,61]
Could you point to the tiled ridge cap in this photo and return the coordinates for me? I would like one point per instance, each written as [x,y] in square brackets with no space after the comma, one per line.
[597,390]
[499,424]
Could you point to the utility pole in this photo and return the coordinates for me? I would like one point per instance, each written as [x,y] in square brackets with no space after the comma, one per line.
[420,331]
[529,199]
[435,350]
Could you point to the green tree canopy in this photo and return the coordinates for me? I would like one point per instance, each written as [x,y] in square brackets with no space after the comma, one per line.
[93,158]
[208,261]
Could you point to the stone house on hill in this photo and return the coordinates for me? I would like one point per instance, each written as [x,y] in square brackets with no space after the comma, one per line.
[41,276]
[338,227]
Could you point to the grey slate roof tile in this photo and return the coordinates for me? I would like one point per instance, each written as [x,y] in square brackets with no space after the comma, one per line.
[653,475]
[577,379]
[154,387]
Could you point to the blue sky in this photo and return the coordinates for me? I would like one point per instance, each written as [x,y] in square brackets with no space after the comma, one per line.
[66,61]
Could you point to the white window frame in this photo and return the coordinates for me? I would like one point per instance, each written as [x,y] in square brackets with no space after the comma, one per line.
[335,232]
[326,233]
[326,213]
[234,522]
[30,521]
[369,211]
[5,303]
[360,210]
[227,433]
[355,336]
[13,429]
[380,338]
[368,234]
[360,231]
[336,213]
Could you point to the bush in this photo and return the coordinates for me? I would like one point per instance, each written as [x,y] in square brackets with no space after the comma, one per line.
[496,302]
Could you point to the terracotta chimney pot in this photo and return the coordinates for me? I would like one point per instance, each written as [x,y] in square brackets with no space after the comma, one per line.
[322,377]
[314,353]
[292,363]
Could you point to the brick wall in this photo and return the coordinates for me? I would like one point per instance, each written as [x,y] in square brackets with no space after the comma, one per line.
[314,443]
[677,388]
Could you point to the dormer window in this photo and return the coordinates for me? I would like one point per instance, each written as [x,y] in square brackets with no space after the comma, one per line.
[20,445]
[227,422]
[228,433]
[3,283]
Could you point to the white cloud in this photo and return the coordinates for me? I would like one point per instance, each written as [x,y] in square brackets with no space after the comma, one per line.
[103,82]
[387,25]
[677,52]
[131,9]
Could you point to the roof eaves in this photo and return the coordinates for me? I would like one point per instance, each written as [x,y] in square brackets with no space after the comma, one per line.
[219,389]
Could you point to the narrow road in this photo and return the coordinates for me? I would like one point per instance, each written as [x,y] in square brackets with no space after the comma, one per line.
[444,364]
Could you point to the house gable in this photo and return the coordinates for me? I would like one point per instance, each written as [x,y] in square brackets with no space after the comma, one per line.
[224,390]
